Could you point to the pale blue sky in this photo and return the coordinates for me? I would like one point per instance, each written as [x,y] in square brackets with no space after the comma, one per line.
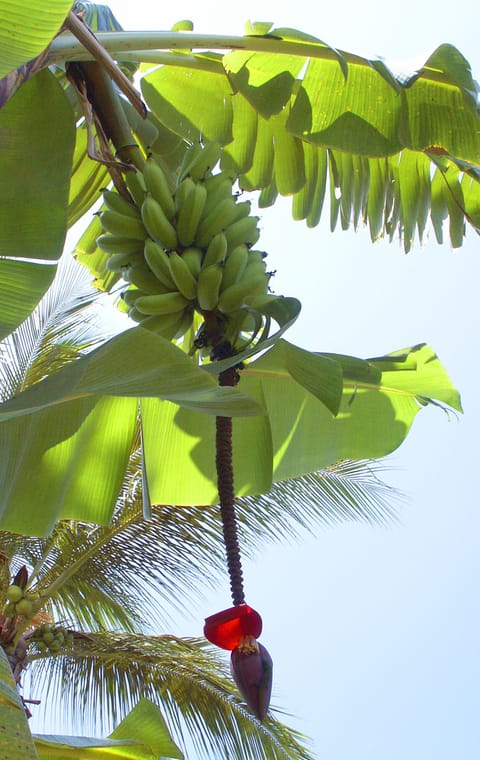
[382,663]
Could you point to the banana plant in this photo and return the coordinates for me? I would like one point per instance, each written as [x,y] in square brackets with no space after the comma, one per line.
[265,112]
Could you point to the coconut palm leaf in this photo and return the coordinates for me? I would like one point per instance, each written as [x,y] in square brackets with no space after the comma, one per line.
[135,574]
[348,491]
[105,674]
[64,325]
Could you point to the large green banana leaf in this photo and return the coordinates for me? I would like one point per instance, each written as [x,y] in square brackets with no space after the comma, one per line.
[142,735]
[66,440]
[299,434]
[303,411]
[27,28]
[391,153]
[38,137]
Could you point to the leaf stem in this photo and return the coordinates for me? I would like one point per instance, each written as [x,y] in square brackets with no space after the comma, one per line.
[66,47]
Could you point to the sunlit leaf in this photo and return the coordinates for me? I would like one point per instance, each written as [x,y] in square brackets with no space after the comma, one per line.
[141,735]
[88,178]
[146,724]
[265,81]
[75,460]
[380,400]
[34,186]
[25,32]
[135,363]
[378,135]
[208,113]
[358,114]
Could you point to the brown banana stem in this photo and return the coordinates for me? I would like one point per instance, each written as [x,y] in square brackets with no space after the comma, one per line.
[226,492]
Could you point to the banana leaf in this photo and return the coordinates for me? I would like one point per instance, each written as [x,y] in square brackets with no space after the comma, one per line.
[34,189]
[26,29]
[141,735]
[297,412]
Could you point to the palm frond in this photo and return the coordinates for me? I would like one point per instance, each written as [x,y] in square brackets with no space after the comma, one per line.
[135,574]
[345,492]
[64,325]
[104,675]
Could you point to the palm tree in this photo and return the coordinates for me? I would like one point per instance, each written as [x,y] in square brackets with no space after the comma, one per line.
[113,591]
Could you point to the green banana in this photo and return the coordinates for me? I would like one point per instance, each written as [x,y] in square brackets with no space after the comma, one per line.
[216,251]
[183,189]
[157,225]
[182,276]
[208,287]
[218,187]
[141,276]
[118,261]
[136,186]
[157,260]
[122,225]
[116,202]
[157,184]
[189,214]
[216,221]
[163,303]
[242,231]
[130,295]
[254,255]
[258,301]
[122,306]
[213,181]
[184,324]
[135,314]
[192,152]
[233,298]
[193,259]
[119,244]
[254,267]
[242,210]
[203,161]
[235,265]
[163,324]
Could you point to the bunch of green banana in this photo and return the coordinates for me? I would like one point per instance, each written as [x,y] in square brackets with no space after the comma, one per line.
[183,244]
